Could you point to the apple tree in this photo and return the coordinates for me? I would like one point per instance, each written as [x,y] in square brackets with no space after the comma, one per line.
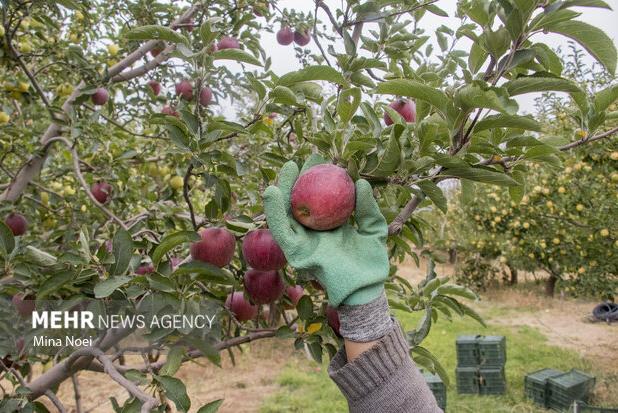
[118,148]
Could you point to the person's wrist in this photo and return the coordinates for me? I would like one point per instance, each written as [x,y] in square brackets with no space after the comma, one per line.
[365,322]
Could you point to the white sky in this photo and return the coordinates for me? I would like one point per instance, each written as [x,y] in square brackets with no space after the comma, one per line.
[283,58]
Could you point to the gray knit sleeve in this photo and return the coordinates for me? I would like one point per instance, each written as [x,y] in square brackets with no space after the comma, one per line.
[383,379]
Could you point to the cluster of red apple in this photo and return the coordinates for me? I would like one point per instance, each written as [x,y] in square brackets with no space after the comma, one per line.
[285,36]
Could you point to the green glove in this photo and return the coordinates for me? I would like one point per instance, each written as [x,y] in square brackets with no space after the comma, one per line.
[350,262]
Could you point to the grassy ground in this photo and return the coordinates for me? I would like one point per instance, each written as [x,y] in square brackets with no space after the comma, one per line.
[305,387]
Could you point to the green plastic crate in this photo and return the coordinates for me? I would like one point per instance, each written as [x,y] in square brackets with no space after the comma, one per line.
[492,380]
[535,385]
[437,387]
[474,351]
[581,407]
[467,380]
[566,388]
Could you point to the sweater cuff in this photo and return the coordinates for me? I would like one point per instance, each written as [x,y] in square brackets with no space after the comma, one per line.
[366,322]
[372,368]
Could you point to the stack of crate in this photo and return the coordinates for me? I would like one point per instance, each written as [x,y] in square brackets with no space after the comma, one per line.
[437,387]
[480,364]
[557,390]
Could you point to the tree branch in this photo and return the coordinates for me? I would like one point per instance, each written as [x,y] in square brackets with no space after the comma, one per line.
[396,225]
[382,17]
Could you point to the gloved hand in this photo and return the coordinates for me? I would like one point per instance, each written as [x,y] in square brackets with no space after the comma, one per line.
[351,262]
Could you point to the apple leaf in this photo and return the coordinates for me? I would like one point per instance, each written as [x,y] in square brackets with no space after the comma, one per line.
[390,159]
[283,95]
[593,39]
[237,55]
[176,391]
[205,272]
[434,193]
[39,257]
[478,96]
[173,361]
[7,240]
[508,121]
[212,407]
[107,287]
[122,249]
[540,84]
[170,241]
[348,103]
[414,89]
[319,72]
[155,32]
[482,175]
[53,283]
[605,97]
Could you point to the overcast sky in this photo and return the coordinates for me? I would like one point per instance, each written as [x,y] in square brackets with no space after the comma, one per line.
[284,60]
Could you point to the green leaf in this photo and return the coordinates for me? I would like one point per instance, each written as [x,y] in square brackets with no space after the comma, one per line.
[325,73]
[593,39]
[173,361]
[54,283]
[40,257]
[540,84]
[155,32]
[348,103]
[237,55]
[170,241]
[508,121]
[7,239]
[212,407]
[390,159]
[477,96]
[305,308]
[450,289]
[205,272]
[283,95]
[482,175]
[434,193]
[413,89]
[471,313]
[604,98]
[539,151]
[586,3]
[176,391]
[122,249]
[107,287]
[477,57]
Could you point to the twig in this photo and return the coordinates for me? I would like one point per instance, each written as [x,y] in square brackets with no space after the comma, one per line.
[381,17]
[76,391]
[397,224]
[185,193]
[83,182]
[56,401]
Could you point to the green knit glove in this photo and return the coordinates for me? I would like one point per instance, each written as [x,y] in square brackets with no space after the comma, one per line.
[351,262]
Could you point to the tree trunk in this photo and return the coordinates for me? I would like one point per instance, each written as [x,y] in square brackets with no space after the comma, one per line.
[452,255]
[550,285]
[514,274]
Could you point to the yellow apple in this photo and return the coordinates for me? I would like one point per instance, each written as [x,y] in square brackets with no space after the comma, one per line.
[614,156]
[562,190]
[579,207]
[176,182]
[556,241]
[23,87]
[604,232]
[1,31]
[4,118]
[45,198]
[526,225]
[25,46]
[113,49]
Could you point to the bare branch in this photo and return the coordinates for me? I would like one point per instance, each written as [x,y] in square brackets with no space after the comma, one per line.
[56,401]
[76,391]
[382,17]
[396,225]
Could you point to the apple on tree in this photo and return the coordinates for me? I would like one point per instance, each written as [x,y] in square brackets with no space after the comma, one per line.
[24,304]
[102,191]
[323,197]
[155,87]
[100,96]
[263,287]
[17,223]
[242,309]
[216,247]
[406,108]
[262,252]
[205,96]
[294,293]
[333,319]
[302,37]
[184,89]
[169,110]
[285,36]
[228,42]
[145,269]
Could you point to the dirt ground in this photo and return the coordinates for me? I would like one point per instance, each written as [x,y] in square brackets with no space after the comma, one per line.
[563,321]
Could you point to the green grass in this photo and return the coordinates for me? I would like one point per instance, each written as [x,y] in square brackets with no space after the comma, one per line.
[305,386]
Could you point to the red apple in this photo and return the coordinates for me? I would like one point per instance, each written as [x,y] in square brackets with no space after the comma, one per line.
[100,96]
[156,51]
[205,96]
[406,108]
[262,252]
[155,86]
[184,89]
[323,198]
[169,110]
[302,37]
[263,287]
[102,191]
[333,319]
[228,42]
[285,36]
[23,304]
[242,309]
[216,247]
[145,269]
[17,223]
[294,293]
[175,263]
